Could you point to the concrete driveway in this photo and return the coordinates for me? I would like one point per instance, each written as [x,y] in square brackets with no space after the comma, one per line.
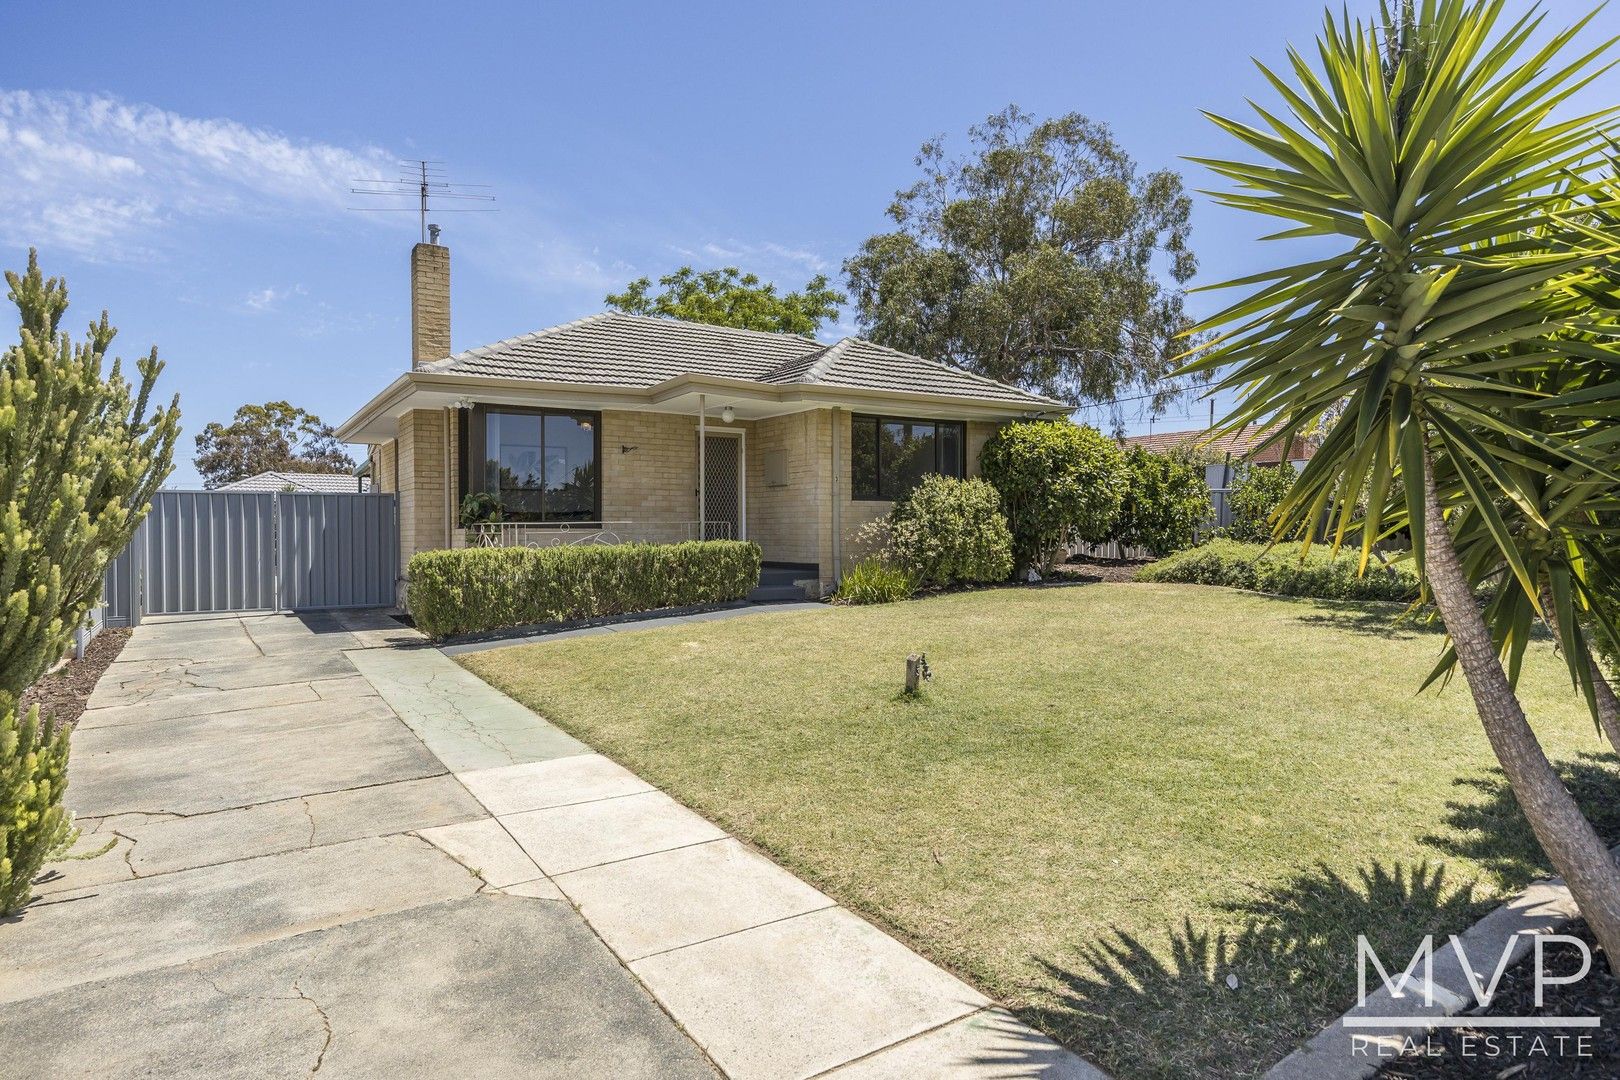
[283,894]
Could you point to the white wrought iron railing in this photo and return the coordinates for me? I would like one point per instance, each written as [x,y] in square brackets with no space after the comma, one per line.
[565,533]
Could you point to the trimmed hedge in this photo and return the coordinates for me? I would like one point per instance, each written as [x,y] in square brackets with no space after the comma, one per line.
[477,589]
[1251,566]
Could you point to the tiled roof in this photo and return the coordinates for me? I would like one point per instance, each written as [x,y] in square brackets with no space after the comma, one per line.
[614,349]
[297,481]
[1236,443]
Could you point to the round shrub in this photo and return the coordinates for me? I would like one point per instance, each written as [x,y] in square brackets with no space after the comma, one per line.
[947,531]
[1257,490]
[1058,481]
[1168,500]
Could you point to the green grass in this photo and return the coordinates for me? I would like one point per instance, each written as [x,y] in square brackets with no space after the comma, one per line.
[1110,797]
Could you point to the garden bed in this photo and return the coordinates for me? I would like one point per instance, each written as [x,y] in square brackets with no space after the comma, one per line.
[1497,1053]
[1151,818]
[1087,568]
[63,694]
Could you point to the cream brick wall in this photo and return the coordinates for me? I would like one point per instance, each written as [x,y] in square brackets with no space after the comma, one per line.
[430,302]
[421,452]
[792,523]
[655,480]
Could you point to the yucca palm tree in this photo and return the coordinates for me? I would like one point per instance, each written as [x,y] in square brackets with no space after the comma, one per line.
[1428,141]
[1562,539]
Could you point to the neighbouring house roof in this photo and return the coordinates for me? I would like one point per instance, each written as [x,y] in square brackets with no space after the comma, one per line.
[619,350]
[298,481]
[1236,443]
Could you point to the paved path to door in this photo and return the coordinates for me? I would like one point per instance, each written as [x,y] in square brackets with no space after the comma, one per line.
[338,850]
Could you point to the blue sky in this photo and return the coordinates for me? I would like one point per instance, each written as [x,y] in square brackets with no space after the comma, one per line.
[187,165]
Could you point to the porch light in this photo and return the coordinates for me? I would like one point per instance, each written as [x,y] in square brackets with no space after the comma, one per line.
[728,414]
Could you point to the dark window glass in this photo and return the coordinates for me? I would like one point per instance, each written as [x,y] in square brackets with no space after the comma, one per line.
[570,468]
[863,457]
[541,467]
[951,458]
[909,453]
[889,457]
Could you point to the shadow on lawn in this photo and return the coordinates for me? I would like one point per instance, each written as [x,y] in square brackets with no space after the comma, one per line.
[1227,1003]
[1491,829]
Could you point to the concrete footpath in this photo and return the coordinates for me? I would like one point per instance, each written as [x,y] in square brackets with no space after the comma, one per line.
[335,850]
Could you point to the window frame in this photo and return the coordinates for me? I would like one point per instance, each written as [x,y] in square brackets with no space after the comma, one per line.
[472,436]
[877,421]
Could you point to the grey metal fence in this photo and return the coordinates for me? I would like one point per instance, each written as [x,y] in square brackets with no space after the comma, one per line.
[335,550]
[227,551]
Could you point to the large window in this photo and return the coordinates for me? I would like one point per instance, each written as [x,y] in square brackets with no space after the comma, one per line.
[540,464]
[889,456]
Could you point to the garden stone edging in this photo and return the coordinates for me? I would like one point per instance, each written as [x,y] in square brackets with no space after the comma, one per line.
[1542,908]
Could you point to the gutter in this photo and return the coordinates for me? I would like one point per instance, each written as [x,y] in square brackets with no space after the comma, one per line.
[644,397]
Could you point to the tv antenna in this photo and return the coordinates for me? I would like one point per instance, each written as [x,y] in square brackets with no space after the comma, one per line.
[424,181]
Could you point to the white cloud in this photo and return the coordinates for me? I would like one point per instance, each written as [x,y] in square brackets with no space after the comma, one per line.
[749,256]
[104,178]
[269,299]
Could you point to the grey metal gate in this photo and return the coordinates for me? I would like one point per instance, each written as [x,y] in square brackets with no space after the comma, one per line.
[336,550]
[209,551]
[228,551]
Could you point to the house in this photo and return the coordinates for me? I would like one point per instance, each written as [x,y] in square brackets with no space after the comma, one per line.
[1231,447]
[622,427]
[271,480]
[1225,453]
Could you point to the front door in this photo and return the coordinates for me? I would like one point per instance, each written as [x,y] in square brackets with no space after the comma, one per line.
[723,487]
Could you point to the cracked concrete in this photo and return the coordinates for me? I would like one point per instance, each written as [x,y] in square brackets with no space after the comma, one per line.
[466,723]
[491,986]
[269,906]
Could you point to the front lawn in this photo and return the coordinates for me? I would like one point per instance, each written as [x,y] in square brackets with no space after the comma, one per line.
[1111,797]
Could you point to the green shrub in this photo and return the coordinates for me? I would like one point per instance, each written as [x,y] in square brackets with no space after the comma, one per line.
[476,589]
[1256,491]
[1167,500]
[875,581]
[1057,482]
[33,825]
[1280,570]
[947,531]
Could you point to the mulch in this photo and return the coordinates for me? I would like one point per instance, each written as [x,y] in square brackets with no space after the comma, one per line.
[1085,568]
[1530,1053]
[62,694]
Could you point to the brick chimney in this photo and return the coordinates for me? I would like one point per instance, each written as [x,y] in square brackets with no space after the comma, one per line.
[430,302]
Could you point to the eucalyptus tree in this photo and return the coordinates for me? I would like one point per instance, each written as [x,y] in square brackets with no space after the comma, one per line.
[1036,259]
[1427,142]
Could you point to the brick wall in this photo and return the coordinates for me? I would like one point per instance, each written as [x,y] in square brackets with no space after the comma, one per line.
[430,303]
[793,522]
[422,482]
[655,480]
